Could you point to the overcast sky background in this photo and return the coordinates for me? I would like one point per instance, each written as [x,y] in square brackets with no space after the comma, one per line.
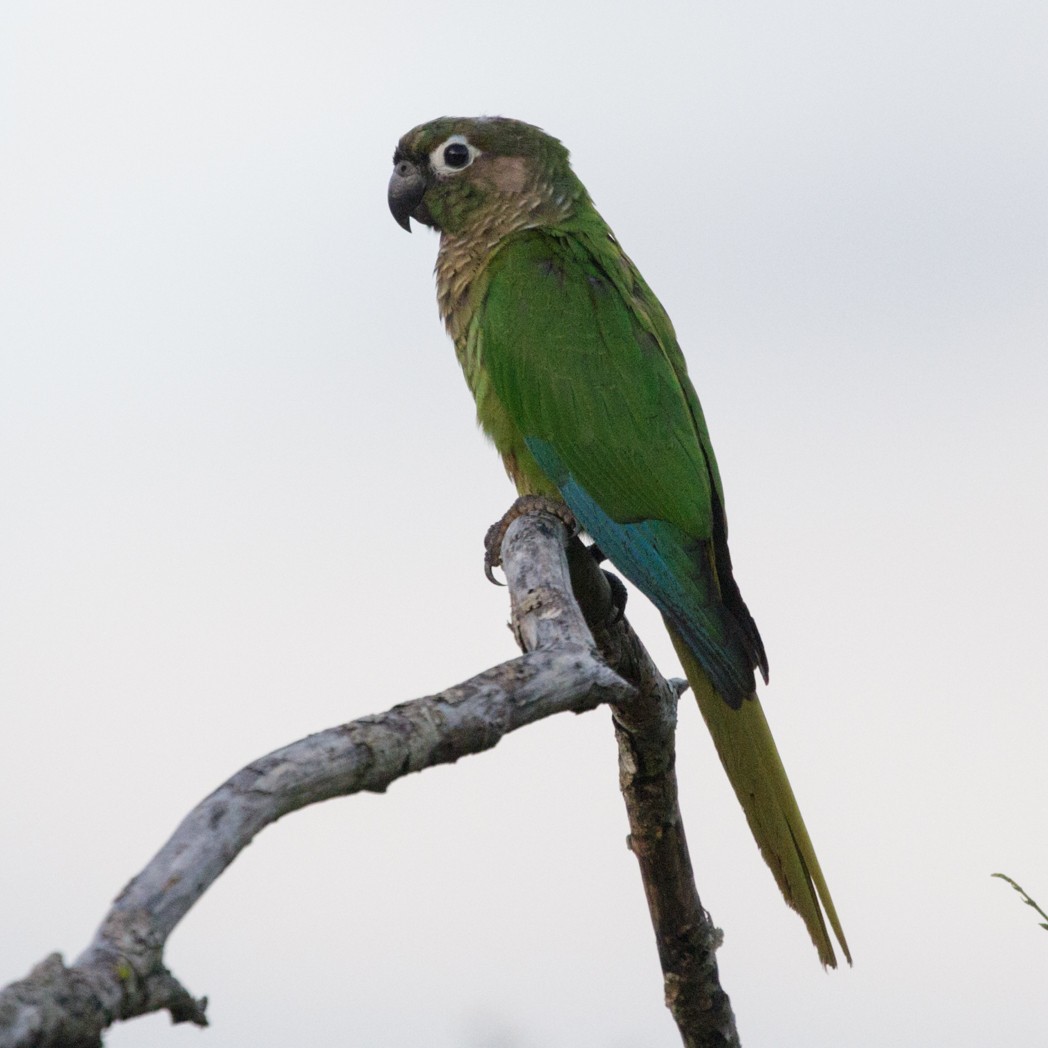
[243,499]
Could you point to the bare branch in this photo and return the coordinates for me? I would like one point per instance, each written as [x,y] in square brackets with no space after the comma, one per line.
[645,726]
[121,973]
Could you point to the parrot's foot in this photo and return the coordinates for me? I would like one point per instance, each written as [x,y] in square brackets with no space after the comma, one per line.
[615,584]
[618,595]
[524,504]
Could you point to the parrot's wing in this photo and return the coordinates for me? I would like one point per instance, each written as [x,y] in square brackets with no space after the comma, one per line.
[585,363]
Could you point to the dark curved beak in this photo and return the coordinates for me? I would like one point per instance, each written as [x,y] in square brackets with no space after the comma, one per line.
[406,189]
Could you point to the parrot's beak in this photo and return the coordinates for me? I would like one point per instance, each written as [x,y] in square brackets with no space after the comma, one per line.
[406,190]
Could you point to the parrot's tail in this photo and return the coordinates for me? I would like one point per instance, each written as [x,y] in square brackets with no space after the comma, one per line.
[751,759]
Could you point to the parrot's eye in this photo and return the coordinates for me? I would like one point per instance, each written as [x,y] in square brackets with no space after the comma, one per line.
[453,155]
[456,154]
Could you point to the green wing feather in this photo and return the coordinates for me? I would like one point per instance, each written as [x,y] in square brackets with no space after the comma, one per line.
[574,361]
[583,386]
[583,360]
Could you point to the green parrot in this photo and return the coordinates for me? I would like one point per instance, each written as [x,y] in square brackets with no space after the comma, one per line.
[582,387]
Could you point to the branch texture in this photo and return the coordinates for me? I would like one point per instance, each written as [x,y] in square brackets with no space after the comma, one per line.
[121,973]
[645,727]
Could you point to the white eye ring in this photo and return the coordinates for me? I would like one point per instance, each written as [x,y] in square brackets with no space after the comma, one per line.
[453,155]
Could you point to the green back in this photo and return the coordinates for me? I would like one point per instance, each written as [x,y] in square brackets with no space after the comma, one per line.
[582,355]
[579,365]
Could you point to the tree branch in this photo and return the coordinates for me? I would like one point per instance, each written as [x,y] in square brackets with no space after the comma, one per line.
[645,728]
[121,973]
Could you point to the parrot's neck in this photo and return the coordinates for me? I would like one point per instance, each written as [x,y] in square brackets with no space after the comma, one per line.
[463,256]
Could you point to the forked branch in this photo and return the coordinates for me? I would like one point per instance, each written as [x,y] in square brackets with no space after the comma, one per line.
[121,973]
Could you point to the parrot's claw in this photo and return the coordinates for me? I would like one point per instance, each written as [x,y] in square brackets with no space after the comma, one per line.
[615,584]
[525,504]
[491,561]
[619,594]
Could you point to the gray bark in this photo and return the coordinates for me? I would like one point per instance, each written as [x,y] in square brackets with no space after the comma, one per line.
[121,973]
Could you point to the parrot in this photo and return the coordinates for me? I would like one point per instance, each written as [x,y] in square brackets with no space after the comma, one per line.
[582,387]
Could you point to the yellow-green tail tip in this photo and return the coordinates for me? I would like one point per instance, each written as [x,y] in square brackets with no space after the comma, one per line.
[751,759]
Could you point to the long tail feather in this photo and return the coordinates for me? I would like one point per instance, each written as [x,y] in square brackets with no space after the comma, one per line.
[747,750]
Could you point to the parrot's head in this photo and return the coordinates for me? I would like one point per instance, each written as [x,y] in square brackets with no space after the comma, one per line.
[458,174]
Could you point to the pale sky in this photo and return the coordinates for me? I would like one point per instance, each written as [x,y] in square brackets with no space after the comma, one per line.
[244,499]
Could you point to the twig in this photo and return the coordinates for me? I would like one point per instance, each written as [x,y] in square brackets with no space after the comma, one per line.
[1026,898]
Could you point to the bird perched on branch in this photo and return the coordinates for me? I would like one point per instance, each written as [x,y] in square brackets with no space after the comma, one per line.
[582,387]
